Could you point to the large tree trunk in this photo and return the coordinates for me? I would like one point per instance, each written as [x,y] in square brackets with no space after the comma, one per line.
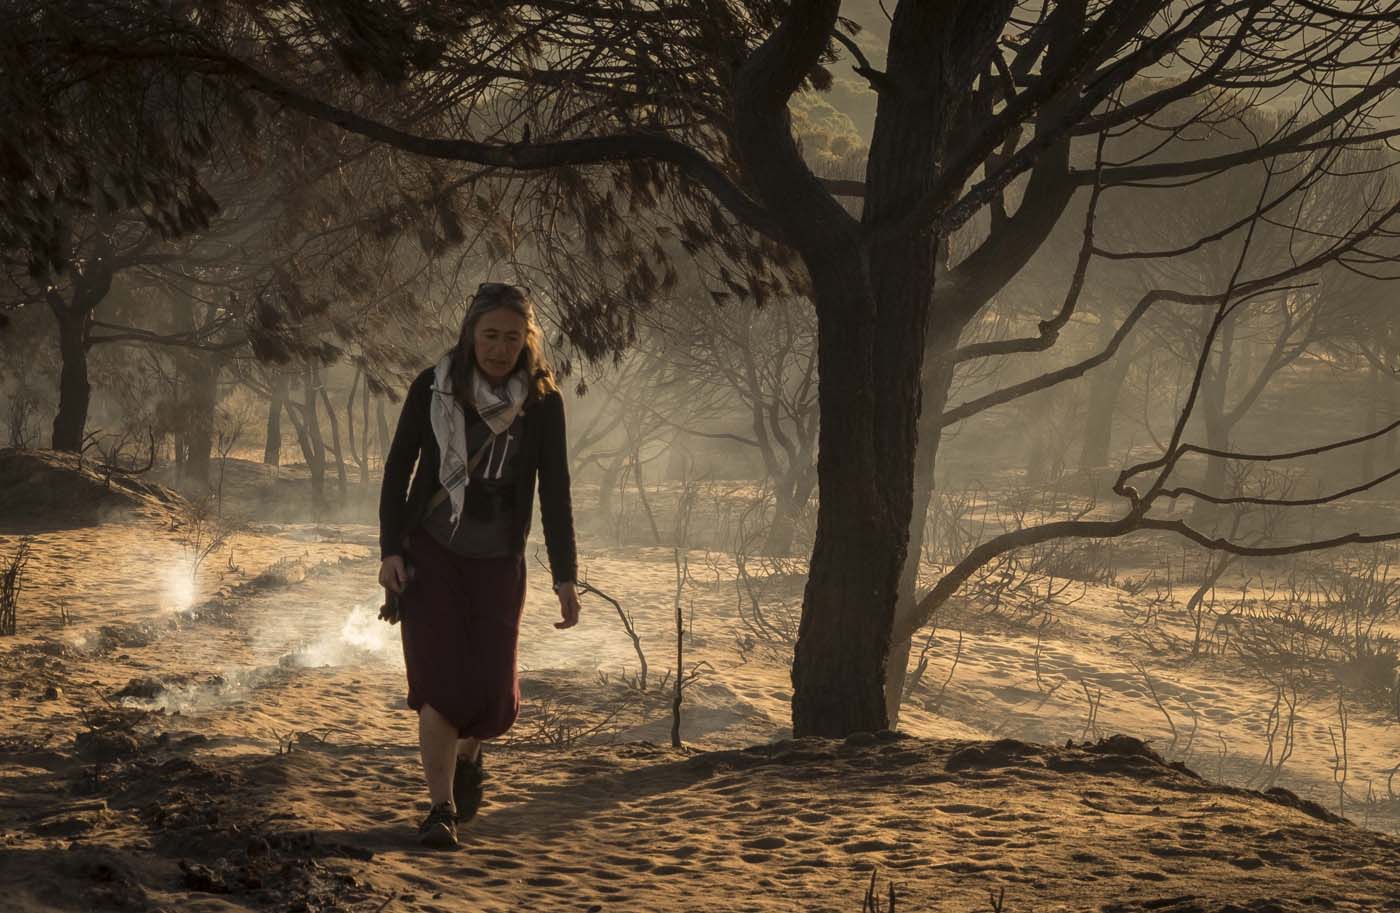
[90,287]
[875,309]
[872,285]
[74,391]
[865,473]
[272,447]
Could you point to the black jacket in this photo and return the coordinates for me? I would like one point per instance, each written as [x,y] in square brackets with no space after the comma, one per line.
[543,452]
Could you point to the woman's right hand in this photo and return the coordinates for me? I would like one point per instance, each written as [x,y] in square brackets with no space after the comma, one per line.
[392,574]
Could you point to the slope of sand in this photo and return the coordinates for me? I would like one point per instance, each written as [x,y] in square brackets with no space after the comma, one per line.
[239,742]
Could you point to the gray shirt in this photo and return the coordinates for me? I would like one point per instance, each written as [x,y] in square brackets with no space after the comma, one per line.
[487,520]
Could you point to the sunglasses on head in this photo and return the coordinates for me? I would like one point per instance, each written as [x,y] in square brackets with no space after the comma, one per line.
[501,289]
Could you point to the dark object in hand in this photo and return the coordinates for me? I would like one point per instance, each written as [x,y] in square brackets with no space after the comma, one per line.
[392,609]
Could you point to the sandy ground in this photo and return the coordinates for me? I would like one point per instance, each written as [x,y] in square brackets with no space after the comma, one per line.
[239,742]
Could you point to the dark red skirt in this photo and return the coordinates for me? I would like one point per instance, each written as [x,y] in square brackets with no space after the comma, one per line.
[461,626]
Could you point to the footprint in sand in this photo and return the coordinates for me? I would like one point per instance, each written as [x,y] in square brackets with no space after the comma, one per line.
[802,865]
[546,881]
[871,846]
[976,811]
[770,842]
[504,864]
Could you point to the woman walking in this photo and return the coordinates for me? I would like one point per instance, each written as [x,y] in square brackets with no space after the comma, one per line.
[482,424]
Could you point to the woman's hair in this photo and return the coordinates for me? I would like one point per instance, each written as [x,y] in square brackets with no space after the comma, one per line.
[489,297]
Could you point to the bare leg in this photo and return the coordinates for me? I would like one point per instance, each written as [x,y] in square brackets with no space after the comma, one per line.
[437,743]
[469,749]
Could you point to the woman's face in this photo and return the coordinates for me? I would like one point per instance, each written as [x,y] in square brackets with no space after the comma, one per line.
[497,341]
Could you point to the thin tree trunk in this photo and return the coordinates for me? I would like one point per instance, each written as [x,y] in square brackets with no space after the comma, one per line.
[272,448]
[357,453]
[341,479]
[607,485]
[642,494]
[1370,421]
[1033,424]
[1392,411]
[74,319]
[1105,384]
[794,491]
[783,528]
[308,451]
[385,436]
[1214,390]
[202,370]
[364,436]
[317,463]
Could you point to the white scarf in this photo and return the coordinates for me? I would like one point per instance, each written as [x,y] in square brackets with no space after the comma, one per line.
[450,424]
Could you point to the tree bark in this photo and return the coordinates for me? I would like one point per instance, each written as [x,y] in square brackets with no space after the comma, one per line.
[74,390]
[865,478]
[359,450]
[342,480]
[202,369]
[937,380]
[875,308]
[792,498]
[385,436]
[74,318]
[317,464]
[272,448]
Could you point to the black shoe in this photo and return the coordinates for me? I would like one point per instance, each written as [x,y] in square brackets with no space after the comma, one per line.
[466,787]
[438,830]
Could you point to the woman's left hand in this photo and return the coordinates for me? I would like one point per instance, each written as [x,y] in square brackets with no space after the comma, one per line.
[568,606]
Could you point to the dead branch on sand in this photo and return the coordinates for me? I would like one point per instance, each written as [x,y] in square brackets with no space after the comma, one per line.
[639,683]
[11,582]
[872,903]
[682,555]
